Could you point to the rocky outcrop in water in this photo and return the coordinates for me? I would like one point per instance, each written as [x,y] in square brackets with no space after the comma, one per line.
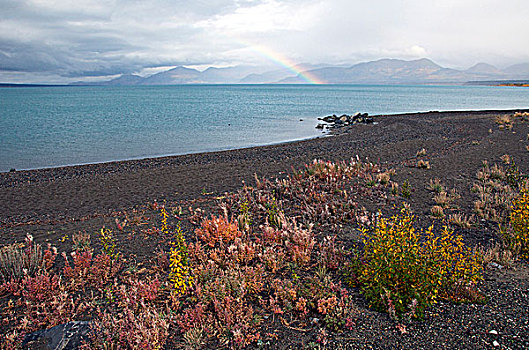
[334,121]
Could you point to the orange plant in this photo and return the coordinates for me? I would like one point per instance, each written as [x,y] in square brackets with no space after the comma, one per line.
[218,230]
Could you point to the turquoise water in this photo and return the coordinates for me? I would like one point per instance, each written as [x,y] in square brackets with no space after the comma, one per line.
[54,126]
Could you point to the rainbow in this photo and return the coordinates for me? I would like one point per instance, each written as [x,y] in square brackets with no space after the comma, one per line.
[278,58]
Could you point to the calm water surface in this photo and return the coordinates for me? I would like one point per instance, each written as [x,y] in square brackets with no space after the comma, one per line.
[54,126]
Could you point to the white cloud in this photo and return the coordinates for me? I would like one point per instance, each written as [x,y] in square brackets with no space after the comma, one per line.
[266,17]
[71,39]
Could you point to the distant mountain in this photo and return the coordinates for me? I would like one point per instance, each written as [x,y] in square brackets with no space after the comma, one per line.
[389,71]
[276,75]
[227,75]
[126,79]
[178,75]
[518,70]
[266,77]
[483,68]
[383,71]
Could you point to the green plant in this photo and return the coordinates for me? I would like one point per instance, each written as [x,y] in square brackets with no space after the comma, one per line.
[403,266]
[405,190]
[81,241]
[17,261]
[435,185]
[273,213]
[245,217]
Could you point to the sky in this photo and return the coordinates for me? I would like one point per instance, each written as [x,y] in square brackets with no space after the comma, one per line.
[56,41]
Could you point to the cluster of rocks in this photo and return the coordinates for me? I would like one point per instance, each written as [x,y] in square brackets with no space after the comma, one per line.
[334,121]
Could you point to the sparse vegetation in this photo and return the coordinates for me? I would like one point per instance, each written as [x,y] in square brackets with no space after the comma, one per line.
[460,220]
[403,273]
[269,258]
[435,185]
[423,164]
[504,121]
[421,153]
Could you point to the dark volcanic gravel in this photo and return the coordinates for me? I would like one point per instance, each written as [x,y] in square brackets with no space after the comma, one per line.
[50,203]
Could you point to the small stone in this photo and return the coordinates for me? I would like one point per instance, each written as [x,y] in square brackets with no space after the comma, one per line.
[496,265]
[495,343]
[493,332]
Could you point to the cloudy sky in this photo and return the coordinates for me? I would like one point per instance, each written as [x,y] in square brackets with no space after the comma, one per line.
[68,40]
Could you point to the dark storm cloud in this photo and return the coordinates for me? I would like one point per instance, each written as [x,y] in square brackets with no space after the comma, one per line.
[74,39]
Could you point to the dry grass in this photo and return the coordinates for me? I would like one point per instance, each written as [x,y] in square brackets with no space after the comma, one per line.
[437,212]
[497,253]
[435,185]
[504,121]
[461,220]
[421,153]
[423,164]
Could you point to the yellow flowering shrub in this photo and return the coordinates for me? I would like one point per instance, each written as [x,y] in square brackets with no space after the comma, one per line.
[406,270]
[519,222]
[180,271]
[108,242]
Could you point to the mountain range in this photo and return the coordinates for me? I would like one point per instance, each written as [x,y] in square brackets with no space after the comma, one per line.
[383,71]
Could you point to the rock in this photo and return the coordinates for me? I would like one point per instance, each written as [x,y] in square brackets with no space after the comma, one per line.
[344,120]
[493,332]
[495,344]
[496,265]
[67,336]
[330,118]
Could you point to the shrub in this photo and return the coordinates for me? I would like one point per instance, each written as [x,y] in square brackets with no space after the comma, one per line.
[518,232]
[217,230]
[496,188]
[109,243]
[144,329]
[405,190]
[402,270]
[180,271]
[437,212]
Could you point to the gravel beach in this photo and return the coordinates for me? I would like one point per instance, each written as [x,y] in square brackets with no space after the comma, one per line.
[53,203]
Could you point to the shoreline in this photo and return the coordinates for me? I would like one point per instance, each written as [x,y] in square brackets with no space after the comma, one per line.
[101,188]
[59,206]
[328,133]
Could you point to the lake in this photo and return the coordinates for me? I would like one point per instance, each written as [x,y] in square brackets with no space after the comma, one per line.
[56,126]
